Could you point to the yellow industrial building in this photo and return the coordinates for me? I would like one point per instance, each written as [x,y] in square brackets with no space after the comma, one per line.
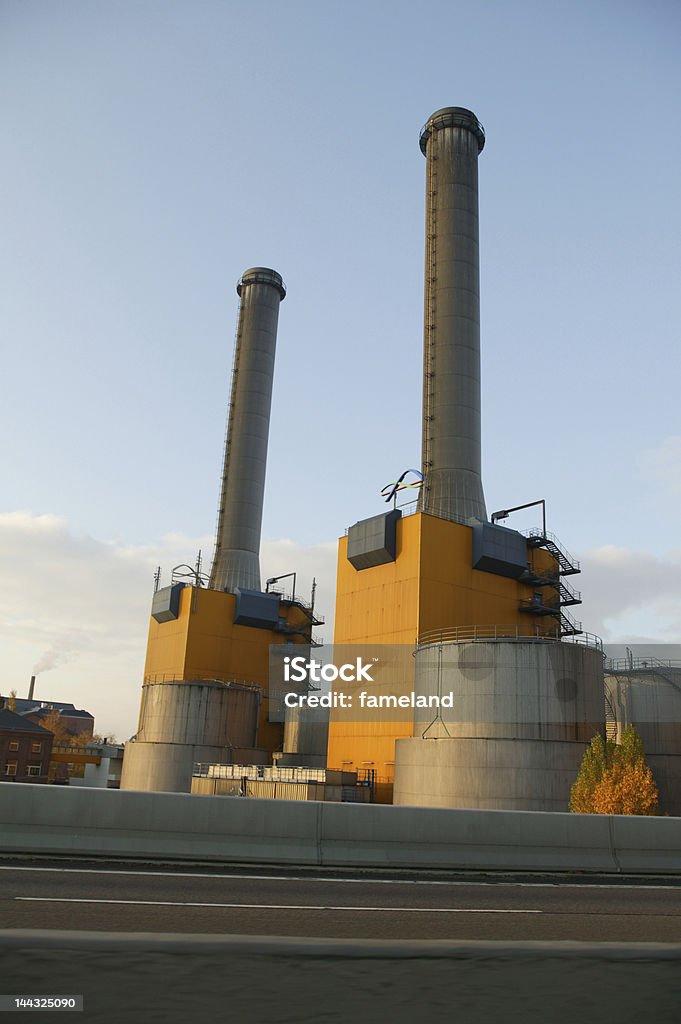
[429,589]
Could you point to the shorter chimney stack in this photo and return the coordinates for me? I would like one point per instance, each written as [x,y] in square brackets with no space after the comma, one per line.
[236,562]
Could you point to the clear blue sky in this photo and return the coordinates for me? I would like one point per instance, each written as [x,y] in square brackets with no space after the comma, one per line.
[151,151]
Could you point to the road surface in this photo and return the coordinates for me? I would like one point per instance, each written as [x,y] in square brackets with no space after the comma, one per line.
[116,899]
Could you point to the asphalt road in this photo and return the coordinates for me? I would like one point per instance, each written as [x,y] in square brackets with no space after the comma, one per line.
[119,900]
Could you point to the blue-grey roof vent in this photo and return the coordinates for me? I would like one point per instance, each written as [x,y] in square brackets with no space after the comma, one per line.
[499,550]
[373,541]
[166,604]
[253,608]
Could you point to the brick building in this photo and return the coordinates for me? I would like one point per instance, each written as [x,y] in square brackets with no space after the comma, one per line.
[25,749]
[78,723]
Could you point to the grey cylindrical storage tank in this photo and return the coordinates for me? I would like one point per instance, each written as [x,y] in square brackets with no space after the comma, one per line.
[182,723]
[210,713]
[650,699]
[451,460]
[236,562]
[306,734]
[524,713]
[168,767]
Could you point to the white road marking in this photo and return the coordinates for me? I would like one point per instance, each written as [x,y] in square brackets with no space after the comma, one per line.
[272,906]
[325,878]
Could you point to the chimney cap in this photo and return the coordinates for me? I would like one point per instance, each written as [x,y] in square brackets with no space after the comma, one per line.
[262,275]
[452,117]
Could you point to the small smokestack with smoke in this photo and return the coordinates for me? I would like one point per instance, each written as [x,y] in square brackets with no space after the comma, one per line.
[31,688]
[51,659]
[61,651]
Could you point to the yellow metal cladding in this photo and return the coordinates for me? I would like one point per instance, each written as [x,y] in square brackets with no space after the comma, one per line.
[431,585]
[380,605]
[204,643]
[453,593]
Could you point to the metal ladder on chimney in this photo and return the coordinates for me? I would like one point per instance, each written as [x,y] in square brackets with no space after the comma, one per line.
[430,319]
[228,438]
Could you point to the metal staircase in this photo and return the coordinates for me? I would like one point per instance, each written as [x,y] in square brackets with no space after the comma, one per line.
[537,538]
[550,578]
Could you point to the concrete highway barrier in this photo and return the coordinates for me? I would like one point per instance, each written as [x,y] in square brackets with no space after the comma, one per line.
[55,820]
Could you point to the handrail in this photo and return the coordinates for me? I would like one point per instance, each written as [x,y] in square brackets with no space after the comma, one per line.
[637,664]
[584,640]
[170,677]
[290,598]
[503,632]
[568,593]
[535,532]
[496,631]
[410,508]
[568,622]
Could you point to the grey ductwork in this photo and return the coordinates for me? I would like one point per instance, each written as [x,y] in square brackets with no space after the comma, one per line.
[236,563]
[451,141]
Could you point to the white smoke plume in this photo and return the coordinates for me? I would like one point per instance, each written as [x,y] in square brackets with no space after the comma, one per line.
[50,659]
[67,647]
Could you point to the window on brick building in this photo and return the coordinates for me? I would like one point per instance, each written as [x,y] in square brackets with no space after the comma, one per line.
[11,768]
[36,748]
[34,769]
[14,745]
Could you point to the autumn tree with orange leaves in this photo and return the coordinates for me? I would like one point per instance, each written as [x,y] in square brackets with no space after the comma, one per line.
[614,778]
[63,737]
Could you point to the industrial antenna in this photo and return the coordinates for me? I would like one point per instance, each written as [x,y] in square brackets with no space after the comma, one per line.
[184,572]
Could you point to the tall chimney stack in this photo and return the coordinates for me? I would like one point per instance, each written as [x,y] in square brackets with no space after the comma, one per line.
[236,562]
[451,141]
[31,688]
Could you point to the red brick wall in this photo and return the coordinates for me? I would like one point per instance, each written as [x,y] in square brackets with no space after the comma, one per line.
[17,747]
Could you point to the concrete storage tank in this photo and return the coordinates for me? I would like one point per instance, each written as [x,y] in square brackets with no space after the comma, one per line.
[646,693]
[524,711]
[306,735]
[182,723]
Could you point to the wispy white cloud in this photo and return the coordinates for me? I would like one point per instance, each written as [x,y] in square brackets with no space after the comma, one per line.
[662,465]
[78,608]
[632,596]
